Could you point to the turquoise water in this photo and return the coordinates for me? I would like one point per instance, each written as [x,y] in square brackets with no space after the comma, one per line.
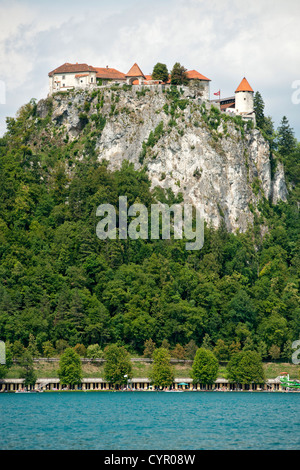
[149,421]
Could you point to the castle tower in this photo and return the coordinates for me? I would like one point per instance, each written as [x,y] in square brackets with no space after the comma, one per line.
[244,98]
[134,74]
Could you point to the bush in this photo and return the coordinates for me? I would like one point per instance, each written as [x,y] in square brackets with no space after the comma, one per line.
[94,351]
[80,349]
[205,367]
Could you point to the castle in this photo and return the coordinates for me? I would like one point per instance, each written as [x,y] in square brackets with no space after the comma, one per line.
[73,76]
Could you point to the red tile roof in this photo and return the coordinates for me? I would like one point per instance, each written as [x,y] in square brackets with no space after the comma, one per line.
[194,75]
[227,105]
[72,68]
[244,86]
[135,71]
[109,74]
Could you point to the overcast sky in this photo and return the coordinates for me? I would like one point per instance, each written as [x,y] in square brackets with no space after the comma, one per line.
[224,40]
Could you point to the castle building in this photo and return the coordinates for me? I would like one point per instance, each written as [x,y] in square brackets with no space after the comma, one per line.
[135,75]
[242,103]
[105,75]
[72,76]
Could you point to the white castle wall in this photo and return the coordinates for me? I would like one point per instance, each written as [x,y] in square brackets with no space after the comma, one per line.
[65,81]
[244,102]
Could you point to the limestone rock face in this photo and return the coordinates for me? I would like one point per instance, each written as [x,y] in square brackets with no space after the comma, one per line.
[218,164]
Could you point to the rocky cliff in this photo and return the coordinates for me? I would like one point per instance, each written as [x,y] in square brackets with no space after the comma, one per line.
[217,162]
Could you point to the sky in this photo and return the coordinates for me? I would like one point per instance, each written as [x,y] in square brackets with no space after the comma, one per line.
[224,40]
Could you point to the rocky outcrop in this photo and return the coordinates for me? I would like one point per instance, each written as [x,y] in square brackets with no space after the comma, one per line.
[215,161]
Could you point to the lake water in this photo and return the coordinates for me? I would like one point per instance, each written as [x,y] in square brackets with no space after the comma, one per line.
[150,421]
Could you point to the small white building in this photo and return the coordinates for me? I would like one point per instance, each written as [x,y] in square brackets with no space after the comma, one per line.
[241,104]
[71,76]
[244,98]
[200,81]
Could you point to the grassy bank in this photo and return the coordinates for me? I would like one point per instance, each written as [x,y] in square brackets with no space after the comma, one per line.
[142,369]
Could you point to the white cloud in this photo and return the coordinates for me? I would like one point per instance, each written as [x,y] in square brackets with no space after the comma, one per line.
[223,39]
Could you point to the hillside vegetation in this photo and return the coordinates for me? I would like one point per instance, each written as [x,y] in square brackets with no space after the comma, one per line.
[58,281]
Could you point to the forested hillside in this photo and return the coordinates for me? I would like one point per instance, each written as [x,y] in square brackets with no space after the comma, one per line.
[58,281]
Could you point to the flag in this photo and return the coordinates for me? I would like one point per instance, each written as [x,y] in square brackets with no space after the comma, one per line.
[218,93]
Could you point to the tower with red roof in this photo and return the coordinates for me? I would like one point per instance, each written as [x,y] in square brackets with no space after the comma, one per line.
[244,98]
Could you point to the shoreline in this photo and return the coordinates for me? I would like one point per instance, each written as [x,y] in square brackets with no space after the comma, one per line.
[149,391]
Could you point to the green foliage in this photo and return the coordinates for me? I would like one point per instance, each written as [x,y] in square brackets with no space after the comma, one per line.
[259,107]
[118,368]
[61,286]
[162,373]
[94,351]
[160,72]
[152,140]
[70,371]
[205,367]
[27,369]
[149,348]
[286,141]
[245,367]
[178,75]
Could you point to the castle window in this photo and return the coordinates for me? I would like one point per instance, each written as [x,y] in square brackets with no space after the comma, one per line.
[63,77]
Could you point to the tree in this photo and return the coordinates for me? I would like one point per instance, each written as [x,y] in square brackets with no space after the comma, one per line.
[165,344]
[27,369]
[259,107]
[160,72]
[274,352]
[94,351]
[178,352]
[273,330]
[18,350]
[286,140]
[80,349]
[162,374]
[118,368]
[205,367]
[70,370]
[191,349]
[262,349]
[206,344]
[178,75]
[245,367]
[61,346]
[32,346]
[221,350]
[149,348]
[48,349]
[234,347]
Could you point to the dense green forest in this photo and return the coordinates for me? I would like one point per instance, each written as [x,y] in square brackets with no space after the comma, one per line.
[58,281]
